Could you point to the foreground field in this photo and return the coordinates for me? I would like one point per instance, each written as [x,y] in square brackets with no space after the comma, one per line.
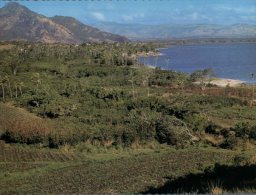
[27,170]
[91,119]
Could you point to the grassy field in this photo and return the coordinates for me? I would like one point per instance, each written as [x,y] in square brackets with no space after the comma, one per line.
[28,170]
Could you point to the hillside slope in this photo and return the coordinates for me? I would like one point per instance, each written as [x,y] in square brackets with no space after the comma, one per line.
[85,33]
[19,23]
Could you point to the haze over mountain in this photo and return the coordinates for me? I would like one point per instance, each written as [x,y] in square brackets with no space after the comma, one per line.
[19,23]
[166,31]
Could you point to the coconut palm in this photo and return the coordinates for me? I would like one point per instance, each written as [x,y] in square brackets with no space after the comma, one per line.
[253,76]
[3,83]
[8,85]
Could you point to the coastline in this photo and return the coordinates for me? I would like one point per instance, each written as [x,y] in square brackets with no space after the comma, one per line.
[149,54]
[224,82]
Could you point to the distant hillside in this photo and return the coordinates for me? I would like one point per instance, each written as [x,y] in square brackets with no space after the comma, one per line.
[140,31]
[19,23]
[84,32]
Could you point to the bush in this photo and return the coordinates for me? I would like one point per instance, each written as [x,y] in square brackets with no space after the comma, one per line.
[196,122]
[128,137]
[172,131]
[213,129]
[229,143]
[242,129]
[252,133]
[150,125]
[143,121]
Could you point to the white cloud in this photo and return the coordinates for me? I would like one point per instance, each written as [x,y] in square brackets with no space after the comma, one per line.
[131,17]
[241,10]
[127,18]
[249,18]
[194,16]
[98,16]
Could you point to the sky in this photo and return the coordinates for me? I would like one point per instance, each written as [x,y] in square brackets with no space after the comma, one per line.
[224,12]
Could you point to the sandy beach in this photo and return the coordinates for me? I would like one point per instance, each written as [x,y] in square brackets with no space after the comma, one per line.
[223,82]
[227,82]
[149,54]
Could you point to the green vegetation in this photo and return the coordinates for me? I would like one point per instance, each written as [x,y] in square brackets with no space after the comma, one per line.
[91,108]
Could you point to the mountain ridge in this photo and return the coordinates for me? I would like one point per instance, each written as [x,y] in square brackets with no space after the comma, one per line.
[17,22]
[167,31]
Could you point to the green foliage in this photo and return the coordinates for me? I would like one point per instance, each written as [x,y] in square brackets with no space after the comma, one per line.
[242,129]
[213,129]
[197,122]
[168,78]
[229,143]
[98,93]
[143,121]
[172,131]
[245,130]
[253,132]
[201,75]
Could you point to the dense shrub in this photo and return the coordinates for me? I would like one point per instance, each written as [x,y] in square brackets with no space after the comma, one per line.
[252,133]
[213,129]
[127,138]
[152,103]
[172,131]
[229,143]
[143,121]
[197,122]
[242,129]
[92,94]
[150,125]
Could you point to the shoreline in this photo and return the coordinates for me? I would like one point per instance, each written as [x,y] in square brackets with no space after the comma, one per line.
[149,54]
[220,82]
[224,82]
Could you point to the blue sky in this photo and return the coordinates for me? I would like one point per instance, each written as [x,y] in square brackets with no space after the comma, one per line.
[150,11]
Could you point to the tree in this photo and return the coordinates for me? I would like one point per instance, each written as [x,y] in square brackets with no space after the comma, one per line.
[15,58]
[8,85]
[173,131]
[147,74]
[3,83]
[132,81]
[202,76]
[253,87]
[36,80]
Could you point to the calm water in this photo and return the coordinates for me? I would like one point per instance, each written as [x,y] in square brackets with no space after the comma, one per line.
[235,61]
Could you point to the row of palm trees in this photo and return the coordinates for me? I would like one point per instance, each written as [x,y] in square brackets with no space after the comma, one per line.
[7,88]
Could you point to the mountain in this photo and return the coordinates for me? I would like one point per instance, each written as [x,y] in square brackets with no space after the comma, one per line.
[84,32]
[165,31]
[19,23]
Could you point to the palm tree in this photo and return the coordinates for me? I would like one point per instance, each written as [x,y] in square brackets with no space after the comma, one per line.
[253,86]
[36,80]
[2,83]
[132,81]
[16,90]
[9,85]
[21,84]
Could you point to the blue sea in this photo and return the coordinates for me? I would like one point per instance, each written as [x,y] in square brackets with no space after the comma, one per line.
[234,61]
